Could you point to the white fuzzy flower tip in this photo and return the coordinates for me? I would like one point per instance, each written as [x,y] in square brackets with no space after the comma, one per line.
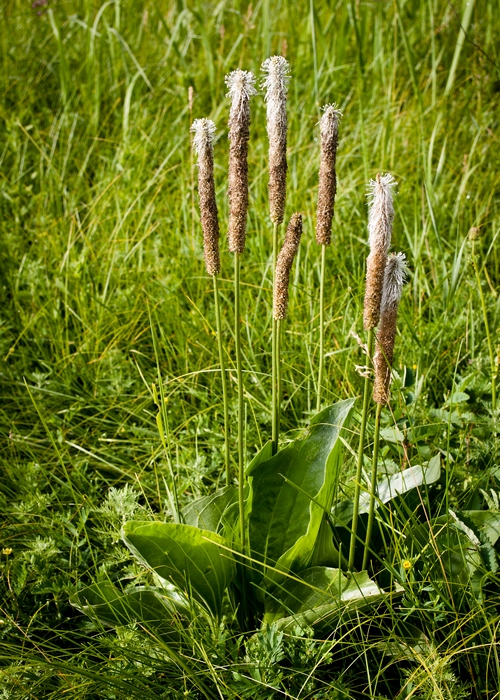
[381,213]
[329,122]
[394,278]
[204,132]
[241,88]
[276,81]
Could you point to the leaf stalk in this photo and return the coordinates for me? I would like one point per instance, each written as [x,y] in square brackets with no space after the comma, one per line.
[361,448]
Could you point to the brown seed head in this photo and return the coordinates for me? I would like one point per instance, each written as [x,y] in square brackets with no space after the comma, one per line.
[276,85]
[204,131]
[380,218]
[328,125]
[474,233]
[241,88]
[284,265]
[394,277]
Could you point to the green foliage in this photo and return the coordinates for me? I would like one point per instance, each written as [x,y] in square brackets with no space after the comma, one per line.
[146,606]
[210,512]
[191,558]
[291,491]
[320,594]
[284,519]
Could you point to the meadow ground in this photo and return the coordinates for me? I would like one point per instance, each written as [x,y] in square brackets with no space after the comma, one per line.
[104,292]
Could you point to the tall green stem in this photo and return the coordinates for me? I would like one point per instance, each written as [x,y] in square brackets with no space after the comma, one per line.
[274,395]
[361,449]
[278,379]
[241,464]
[222,362]
[488,334]
[373,482]
[275,358]
[239,375]
[321,326]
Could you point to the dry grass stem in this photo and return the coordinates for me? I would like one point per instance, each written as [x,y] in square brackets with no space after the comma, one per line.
[284,265]
[394,277]
[241,88]
[204,131]
[380,218]
[276,85]
[327,190]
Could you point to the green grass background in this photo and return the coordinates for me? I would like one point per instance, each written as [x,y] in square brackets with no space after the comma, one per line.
[103,287]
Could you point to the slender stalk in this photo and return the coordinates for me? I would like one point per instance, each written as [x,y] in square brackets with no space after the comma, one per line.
[487,329]
[274,394]
[274,352]
[321,326]
[239,375]
[359,468]
[241,448]
[371,511]
[394,277]
[380,218]
[275,83]
[281,284]
[222,362]
[278,379]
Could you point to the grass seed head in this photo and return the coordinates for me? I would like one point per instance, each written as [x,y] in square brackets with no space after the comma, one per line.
[284,265]
[327,190]
[394,278]
[380,218]
[275,84]
[204,132]
[241,88]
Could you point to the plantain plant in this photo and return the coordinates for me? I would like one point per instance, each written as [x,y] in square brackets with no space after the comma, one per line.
[281,544]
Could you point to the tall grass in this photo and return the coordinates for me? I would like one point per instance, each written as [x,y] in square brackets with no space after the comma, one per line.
[103,285]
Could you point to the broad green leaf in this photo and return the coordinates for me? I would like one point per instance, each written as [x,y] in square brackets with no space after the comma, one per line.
[321,595]
[192,559]
[318,585]
[144,606]
[325,553]
[231,528]
[207,513]
[265,453]
[395,485]
[402,482]
[291,490]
